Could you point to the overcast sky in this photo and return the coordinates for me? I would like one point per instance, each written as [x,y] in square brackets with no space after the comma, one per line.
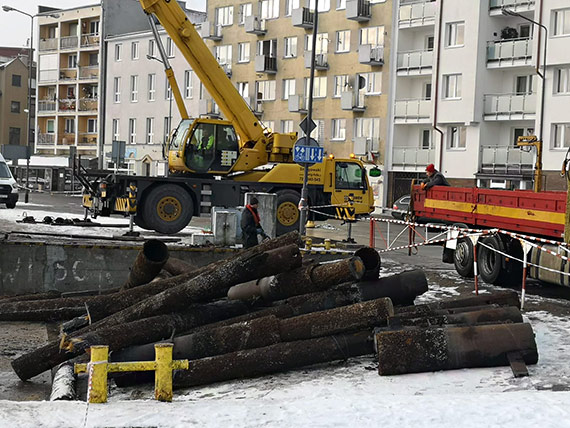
[15,27]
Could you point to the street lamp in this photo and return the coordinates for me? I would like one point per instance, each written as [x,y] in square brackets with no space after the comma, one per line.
[6,8]
[150,57]
[538,167]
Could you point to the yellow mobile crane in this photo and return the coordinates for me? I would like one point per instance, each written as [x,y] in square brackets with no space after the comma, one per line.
[213,162]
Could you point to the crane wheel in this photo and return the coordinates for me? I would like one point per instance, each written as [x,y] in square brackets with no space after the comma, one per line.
[287,211]
[139,221]
[168,209]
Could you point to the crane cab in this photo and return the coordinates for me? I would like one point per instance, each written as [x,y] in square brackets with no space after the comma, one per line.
[203,146]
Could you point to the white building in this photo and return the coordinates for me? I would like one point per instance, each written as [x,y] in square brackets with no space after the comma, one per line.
[465,85]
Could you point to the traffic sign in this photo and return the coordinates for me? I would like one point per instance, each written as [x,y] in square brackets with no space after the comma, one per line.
[308,152]
[304,125]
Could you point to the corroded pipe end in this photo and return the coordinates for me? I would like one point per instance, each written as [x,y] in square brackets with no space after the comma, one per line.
[357,267]
[372,262]
[245,291]
[155,251]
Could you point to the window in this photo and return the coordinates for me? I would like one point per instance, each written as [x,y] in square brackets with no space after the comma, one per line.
[245,10]
[15,107]
[319,88]
[349,175]
[223,54]
[561,22]
[340,4]
[132,131]
[269,9]
[69,126]
[188,88]
[91,126]
[116,127]
[16,80]
[430,43]
[117,89]
[322,43]
[135,50]
[455,34]
[70,92]
[50,126]
[427,91]
[523,85]
[269,124]
[561,135]
[266,90]
[288,88]
[225,16]
[149,130]
[151,45]
[72,61]
[338,129]
[324,5]
[452,86]
[169,48]
[118,51]
[167,122]
[243,89]
[290,50]
[290,6]
[425,142]
[367,127]
[167,91]
[287,126]
[372,36]
[134,89]
[520,132]
[94,27]
[457,137]
[525,31]
[14,136]
[340,85]
[94,59]
[267,48]
[372,83]
[151,86]
[243,52]
[342,41]
[562,81]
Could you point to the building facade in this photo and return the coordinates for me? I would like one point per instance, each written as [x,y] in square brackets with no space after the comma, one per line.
[68,80]
[468,81]
[14,124]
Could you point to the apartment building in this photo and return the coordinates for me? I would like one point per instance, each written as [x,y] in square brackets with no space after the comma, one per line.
[13,102]
[266,48]
[68,79]
[467,83]
[140,107]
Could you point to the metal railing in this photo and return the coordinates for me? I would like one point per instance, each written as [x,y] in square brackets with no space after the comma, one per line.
[412,157]
[265,64]
[506,105]
[358,9]
[414,109]
[46,139]
[88,104]
[415,60]
[87,139]
[69,42]
[509,50]
[48,75]
[499,4]
[89,72]
[371,54]
[416,13]
[67,73]
[47,106]
[67,104]
[88,40]
[48,44]
[505,159]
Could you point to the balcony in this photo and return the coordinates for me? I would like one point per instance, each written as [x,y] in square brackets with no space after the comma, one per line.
[371,55]
[47,75]
[90,40]
[48,44]
[412,158]
[358,10]
[255,105]
[297,104]
[505,160]
[412,111]
[66,139]
[415,63]
[365,145]
[519,6]
[352,101]
[67,105]
[88,104]
[254,25]
[509,53]
[47,107]
[510,107]
[87,139]
[67,74]
[265,64]
[211,31]
[303,18]
[69,42]
[321,61]
[46,140]
[416,14]
[90,72]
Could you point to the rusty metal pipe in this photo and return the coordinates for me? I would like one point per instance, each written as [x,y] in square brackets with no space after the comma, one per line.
[149,262]
[372,262]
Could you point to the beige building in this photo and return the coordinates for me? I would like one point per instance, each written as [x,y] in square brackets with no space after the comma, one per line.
[68,81]
[13,102]
[265,47]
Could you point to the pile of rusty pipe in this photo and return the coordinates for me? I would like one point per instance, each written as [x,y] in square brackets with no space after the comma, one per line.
[149,262]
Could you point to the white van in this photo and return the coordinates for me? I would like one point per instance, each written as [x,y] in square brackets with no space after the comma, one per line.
[8,186]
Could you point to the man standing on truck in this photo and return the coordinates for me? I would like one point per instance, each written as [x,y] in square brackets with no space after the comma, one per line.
[435,178]
[251,224]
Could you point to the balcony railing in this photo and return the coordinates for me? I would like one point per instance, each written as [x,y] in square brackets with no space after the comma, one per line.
[89,72]
[67,73]
[509,106]
[90,40]
[495,6]
[412,111]
[505,160]
[412,158]
[254,25]
[69,42]
[416,14]
[66,139]
[87,139]
[352,100]
[255,105]
[67,104]
[321,61]
[46,106]
[415,62]
[48,44]
[88,104]
[211,31]
[358,10]
[46,139]
[303,17]
[505,53]
[265,64]
[371,54]
[47,75]
[297,104]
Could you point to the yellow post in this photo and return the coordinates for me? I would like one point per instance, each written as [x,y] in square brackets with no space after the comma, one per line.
[308,243]
[98,369]
[327,244]
[163,371]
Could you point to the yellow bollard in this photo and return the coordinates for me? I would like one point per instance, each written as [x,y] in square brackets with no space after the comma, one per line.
[327,244]
[163,371]
[308,243]
[310,224]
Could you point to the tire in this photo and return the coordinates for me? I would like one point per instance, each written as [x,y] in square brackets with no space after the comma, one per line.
[463,258]
[511,276]
[288,215]
[490,263]
[140,222]
[167,209]
[11,205]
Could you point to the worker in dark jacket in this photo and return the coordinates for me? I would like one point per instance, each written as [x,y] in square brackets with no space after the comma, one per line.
[250,224]
[435,178]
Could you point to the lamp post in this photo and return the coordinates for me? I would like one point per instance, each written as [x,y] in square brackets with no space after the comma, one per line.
[538,167]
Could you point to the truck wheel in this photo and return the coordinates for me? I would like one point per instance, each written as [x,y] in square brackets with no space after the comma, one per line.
[168,209]
[11,205]
[139,221]
[512,275]
[463,258]
[489,262]
[287,211]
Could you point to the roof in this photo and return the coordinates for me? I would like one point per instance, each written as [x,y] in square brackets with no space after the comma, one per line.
[11,52]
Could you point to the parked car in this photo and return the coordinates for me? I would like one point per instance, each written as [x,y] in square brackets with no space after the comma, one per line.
[401,205]
[8,186]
